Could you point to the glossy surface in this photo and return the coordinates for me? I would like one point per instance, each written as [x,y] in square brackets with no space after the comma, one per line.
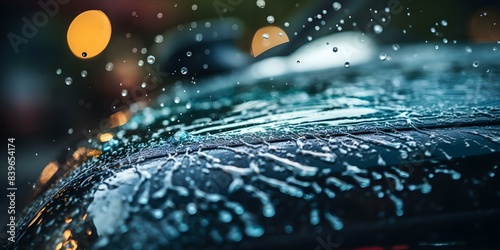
[404,154]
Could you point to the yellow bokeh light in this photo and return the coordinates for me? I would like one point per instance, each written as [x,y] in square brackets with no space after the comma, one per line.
[66,234]
[48,172]
[82,154]
[119,118]
[266,38]
[89,34]
[105,137]
[37,216]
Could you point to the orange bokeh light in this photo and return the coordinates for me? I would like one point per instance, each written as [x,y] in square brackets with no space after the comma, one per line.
[89,34]
[267,38]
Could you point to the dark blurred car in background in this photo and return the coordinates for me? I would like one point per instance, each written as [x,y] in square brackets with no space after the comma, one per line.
[374,126]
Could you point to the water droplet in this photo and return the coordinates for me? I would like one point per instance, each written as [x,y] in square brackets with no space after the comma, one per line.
[335,49]
[181,136]
[143,85]
[475,64]
[158,39]
[109,66]
[494,48]
[189,54]
[347,65]
[184,70]
[265,36]
[468,49]
[199,37]
[298,61]
[140,62]
[395,47]
[150,59]
[377,29]
[336,6]
[58,71]
[144,51]
[225,216]
[84,54]
[270,19]
[68,80]
[433,30]
[177,99]
[234,234]
[268,210]
[254,231]
[261,3]
[124,92]
[309,38]
[444,23]
[157,213]
[191,208]
[287,24]
[194,7]
[70,131]
[382,56]
[83,73]
[159,15]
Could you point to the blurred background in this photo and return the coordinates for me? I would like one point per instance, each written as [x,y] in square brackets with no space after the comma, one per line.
[48,114]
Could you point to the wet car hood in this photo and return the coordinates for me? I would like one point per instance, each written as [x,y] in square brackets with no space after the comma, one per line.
[327,156]
[420,87]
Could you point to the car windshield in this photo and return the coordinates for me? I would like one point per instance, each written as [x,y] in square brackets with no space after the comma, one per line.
[88,83]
